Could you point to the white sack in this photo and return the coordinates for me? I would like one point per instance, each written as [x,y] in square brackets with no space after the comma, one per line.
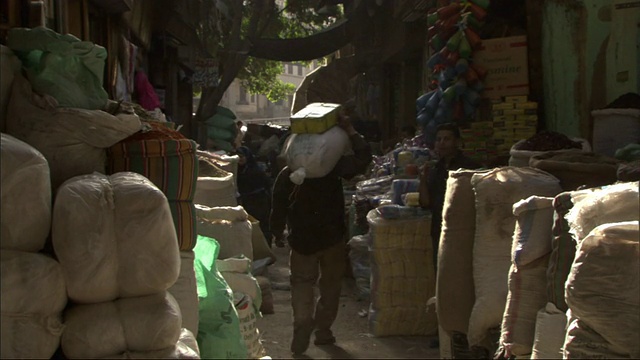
[139,324]
[527,294]
[72,140]
[215,191]
[603,287]
[114,237]
[234,237]
[185,348]
[244,283]
[551,327]
[315,155]
[234,264]
[33,295]
[496,192]
[247,317]
[229,213]
[10,65]
[532,236]
[185,291]
[608,204]
[25,202]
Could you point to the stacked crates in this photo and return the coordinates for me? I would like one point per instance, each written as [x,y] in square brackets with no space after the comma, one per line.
[515,118]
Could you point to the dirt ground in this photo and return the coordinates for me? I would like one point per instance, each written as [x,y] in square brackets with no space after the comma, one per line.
[350,329]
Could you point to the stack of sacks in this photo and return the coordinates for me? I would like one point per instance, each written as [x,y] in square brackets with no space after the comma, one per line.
[216,186]
[527,276]
[222,129]
[618,200]
[168,160]
[454,284]
[247,295]
[72,140]
[551,325]
[606,324]
[261,249]
[32,287]
[603,294]
[496,192]
[402,276]
[230,226]
[119,255]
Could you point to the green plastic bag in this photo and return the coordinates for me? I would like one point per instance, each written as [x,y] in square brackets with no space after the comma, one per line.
[62,66]
[217,133]
[219,334]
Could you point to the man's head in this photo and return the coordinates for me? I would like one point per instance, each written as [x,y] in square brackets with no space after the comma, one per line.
[447,140]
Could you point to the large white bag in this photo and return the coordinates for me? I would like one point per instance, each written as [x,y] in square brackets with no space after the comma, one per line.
[315,155]
[603,288]
[234,237]
[26,196]
[581,342]
[528,274]
[114,237]
[551,326]
[216,191]
[608,204]
[185,348]
[139,324]
[496,192]
[185,291]
[33,296]
[72,140]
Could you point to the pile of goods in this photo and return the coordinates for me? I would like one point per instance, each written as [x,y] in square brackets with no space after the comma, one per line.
[456,80]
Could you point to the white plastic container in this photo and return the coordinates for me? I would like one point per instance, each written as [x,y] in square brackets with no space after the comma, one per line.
[614,128]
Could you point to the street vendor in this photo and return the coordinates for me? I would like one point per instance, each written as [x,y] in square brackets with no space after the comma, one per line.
[314,212]
[433,180]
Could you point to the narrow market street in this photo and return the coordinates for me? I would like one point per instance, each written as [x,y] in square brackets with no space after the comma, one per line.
[351,330]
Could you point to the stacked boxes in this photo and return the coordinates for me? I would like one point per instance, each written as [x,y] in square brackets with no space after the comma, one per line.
[509,120]
[514,119]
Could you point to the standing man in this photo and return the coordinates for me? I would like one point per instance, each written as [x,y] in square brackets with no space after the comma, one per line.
[433,181]
[314,212]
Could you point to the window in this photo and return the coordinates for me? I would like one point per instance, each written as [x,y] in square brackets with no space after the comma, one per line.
[242,96]
[290,100]
[289,69]
[253,98]
[299,69]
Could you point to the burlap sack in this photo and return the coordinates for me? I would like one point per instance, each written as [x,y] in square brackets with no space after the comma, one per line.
[575,169]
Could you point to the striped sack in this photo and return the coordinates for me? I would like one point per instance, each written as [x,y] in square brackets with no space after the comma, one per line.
[170,164]
[184,220]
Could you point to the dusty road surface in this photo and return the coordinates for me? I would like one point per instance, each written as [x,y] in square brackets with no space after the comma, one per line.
[350,329]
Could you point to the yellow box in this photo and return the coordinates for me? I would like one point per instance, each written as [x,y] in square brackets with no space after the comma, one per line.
[315,118]
[527,105]
[527,117]
[504,118]
[481,124]
[502,131]
[503,106]
[516,99]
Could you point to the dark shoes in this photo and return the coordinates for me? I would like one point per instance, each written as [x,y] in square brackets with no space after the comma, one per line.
[300,342]
[324,337]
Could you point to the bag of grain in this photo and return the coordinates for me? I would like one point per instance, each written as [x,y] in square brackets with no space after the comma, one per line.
[551,325]
[185,291]
[496,192]
[110,243]
[140,324]
[33,294]
[25,199]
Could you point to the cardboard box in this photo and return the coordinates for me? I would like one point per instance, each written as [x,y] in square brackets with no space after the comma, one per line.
[503,106]
[527,105]
[516,99]
[505,60]
[503,118]
[481,124]
[315,118]
[527,118]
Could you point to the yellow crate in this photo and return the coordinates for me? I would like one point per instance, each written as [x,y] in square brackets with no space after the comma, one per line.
[502,118]
[503,106]
[315,118]
[516,99]
[481,125]
[527,118]
[527,105]
[502,131]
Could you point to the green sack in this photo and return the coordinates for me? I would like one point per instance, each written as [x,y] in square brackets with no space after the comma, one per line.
[223,111]
[217,133]
[62,66]
[219,334]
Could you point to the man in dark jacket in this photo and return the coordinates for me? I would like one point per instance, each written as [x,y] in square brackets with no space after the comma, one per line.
[315,214]
[433,181]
